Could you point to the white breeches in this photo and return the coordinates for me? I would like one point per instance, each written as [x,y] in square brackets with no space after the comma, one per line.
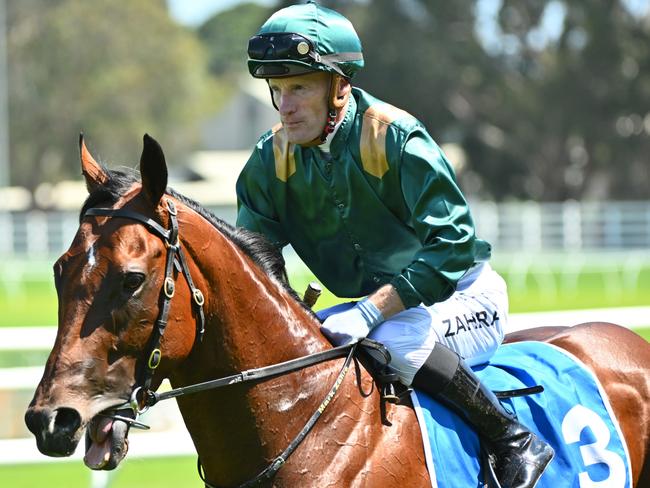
[471,322]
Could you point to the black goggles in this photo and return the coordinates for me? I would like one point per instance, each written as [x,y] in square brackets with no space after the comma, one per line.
[281,46]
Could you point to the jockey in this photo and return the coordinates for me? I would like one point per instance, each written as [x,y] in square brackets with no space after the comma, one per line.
[371,205]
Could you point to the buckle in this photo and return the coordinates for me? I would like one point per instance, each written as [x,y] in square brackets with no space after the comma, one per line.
[198,297]
[169,287]
[171,207]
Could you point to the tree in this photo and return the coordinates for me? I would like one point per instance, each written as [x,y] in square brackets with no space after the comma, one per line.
[426,58]
[112,69]
[225,37]
[584,100]
[565,117]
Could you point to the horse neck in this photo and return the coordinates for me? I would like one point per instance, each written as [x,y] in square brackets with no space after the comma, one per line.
[252,322]
[253,319]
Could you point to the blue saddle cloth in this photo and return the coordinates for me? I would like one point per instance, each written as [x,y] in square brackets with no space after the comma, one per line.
[572,414]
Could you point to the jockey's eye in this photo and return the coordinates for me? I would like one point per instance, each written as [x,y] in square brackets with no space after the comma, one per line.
[132,281]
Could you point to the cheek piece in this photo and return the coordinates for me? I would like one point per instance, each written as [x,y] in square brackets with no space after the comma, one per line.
[330,124]
[335,104]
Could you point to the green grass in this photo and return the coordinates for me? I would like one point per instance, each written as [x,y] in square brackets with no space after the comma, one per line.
[172,472]
[589,289]
[19,359]
[552,291]
[29,298]
[30,303]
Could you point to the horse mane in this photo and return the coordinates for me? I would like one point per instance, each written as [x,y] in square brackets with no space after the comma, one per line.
[254,245]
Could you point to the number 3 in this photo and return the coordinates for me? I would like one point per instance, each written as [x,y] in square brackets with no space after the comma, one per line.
[575,421]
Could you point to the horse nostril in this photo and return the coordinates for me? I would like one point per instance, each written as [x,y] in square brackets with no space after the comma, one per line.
[36,420]
[67,419]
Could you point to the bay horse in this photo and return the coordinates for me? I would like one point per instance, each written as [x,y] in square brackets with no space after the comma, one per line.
[120,334]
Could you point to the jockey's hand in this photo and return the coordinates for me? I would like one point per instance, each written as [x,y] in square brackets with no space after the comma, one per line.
[353,324]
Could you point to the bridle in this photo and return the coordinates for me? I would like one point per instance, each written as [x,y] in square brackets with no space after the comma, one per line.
[142,397]
[175,258]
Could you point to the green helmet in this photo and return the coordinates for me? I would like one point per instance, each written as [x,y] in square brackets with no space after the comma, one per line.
[305,38]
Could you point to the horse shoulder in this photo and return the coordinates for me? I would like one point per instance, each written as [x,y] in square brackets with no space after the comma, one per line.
[373,446]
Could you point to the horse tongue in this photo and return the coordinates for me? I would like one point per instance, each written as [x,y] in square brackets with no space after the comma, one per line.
[98,444]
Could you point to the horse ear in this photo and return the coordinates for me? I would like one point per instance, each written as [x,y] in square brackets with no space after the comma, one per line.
[94,173]
[153,170]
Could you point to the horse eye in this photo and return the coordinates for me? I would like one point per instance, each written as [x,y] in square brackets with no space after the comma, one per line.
[132,281]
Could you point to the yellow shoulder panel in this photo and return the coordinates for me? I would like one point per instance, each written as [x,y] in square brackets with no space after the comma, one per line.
[376,121]
[285,164]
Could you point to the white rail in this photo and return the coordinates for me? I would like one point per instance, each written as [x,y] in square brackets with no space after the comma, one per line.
[27,338]
[630,317]
[509,226]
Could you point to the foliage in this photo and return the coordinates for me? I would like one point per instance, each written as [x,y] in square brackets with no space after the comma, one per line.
[580,101]
[541,117]
[225,37]
[112,69]
[545,113]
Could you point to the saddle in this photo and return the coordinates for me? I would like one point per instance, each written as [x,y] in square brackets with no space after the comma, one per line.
[375,358]
[373,355]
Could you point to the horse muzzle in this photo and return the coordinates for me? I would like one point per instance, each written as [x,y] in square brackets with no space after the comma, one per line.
[57,431]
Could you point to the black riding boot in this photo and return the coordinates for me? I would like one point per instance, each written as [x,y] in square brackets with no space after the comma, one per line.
[519,456]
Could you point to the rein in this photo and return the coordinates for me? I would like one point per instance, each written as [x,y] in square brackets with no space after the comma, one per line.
[257,374]
[142,397]
[270,471]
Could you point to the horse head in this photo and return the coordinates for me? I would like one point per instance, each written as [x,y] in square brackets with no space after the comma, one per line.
[108,285]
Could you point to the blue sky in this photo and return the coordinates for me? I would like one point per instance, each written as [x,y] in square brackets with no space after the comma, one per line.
[194,12]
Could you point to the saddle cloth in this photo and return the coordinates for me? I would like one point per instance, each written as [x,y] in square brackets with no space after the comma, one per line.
[572,414]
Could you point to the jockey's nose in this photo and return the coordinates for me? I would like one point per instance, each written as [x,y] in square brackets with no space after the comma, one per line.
[286,104]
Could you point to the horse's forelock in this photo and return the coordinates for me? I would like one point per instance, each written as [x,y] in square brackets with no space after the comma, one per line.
[118,183]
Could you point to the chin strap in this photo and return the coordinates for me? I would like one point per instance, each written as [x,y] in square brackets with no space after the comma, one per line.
[330,125]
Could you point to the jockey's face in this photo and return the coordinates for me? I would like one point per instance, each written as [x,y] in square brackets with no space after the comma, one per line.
[302,102]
